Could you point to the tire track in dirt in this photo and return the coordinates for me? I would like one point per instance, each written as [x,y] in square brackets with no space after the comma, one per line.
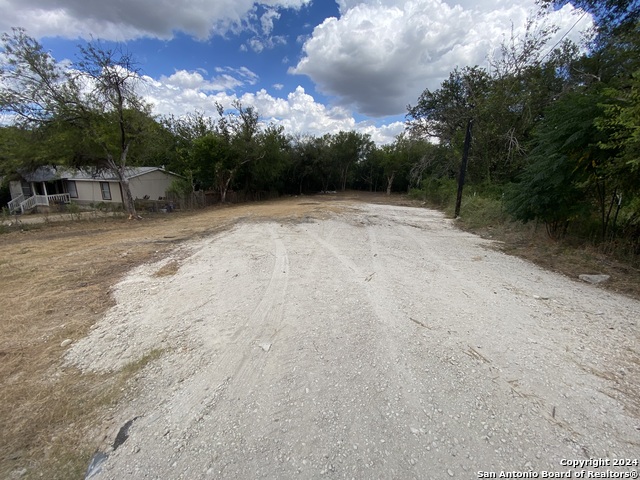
[246,359]
[265,321]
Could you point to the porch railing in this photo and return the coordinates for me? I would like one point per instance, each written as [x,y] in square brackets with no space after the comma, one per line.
[31,202]
[60,198]
[14,205]
[44,200]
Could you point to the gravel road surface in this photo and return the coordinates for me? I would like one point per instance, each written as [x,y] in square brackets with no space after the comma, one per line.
[380,342]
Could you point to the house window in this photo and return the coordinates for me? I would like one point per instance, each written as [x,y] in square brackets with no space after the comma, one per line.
[71,188]
[106,192]
[26,188]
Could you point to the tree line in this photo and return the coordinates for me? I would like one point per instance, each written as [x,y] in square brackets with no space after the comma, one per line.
[556,129]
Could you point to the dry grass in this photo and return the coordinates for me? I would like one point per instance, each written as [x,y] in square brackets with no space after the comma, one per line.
[55,281]
[533,244]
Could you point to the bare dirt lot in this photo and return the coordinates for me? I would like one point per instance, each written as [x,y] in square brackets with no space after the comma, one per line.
[312,337]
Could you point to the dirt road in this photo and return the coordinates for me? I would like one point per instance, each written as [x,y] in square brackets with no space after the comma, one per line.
[379,342]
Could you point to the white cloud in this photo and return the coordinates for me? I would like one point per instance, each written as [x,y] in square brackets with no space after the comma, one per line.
[266,20]
[122,20]
[262,28]
[228,78]
[298,113]
[258,44]
[380,55]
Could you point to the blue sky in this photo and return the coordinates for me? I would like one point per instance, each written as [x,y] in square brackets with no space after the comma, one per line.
[313,66]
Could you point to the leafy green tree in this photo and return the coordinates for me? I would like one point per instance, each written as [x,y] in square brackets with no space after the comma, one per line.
[443,114]
[324,166]
[182,132]
[566,164]
[348,149]
[267,173]
[302,163]
[215,161]
[394,161]
[621,123]
[428,160]
[35,89]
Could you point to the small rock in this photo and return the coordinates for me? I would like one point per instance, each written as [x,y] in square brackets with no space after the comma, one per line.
[265,346]
[66,342]
[594,279]
[450,473]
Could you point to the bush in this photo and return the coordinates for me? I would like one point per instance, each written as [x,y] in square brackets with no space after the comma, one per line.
[440,192]
[479,211]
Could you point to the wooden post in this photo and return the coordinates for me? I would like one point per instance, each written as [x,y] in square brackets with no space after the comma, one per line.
[463,166]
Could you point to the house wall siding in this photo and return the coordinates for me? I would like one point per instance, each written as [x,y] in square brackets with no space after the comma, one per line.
[89,192]
[155,184]
[15,188]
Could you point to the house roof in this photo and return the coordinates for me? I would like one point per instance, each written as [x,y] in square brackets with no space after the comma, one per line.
[49,173]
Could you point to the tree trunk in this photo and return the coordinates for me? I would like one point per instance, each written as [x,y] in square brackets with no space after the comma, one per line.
[343,173]
[463,167]
[224,187]
[128,201]
[371,180]
[390,182]
[119,171]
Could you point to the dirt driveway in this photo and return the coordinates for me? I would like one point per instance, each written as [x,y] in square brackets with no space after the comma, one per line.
[376,342]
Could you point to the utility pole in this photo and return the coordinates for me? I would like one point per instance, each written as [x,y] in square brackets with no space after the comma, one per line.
[463,166]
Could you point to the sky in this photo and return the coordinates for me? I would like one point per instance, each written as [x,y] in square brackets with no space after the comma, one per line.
[312,66]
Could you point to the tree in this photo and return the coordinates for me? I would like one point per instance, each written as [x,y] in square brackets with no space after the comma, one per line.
[347,149]
[565,164]
[268,171]
[394,160]
[324,163]
[34,89]
[95,100]
[216,164]
[621,122]
[443,114]
[302,161]
[184,132]
[238,129]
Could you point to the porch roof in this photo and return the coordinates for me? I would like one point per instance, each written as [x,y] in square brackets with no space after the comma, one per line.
[50,174]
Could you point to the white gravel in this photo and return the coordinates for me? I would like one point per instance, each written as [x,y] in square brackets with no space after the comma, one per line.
[379,343]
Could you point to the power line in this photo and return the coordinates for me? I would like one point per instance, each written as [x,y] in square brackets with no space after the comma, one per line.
[563,37]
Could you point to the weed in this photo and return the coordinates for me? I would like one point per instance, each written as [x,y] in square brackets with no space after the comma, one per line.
[74,210]
[134,367]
